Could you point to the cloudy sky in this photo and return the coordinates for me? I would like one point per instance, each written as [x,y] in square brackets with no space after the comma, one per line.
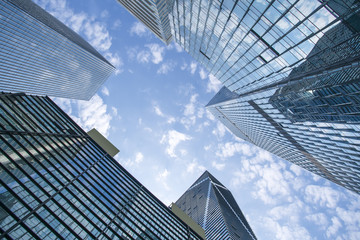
[152,109]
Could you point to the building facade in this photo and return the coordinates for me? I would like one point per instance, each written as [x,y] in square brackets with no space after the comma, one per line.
[41,56]
[154,14]
[213,207]
[290,72]
[57,183]
[249,45]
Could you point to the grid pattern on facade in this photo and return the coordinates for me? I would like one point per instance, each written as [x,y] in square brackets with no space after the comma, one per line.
[41,60]
[328,149]
[290,71]
[249,45]
[57,183]
[154,14]
[214,208]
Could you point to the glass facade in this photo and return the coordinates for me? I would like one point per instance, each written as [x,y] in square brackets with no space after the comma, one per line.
[212,206]
[57,183]
[251,45]
[154,14]
[290,71]
[41,56]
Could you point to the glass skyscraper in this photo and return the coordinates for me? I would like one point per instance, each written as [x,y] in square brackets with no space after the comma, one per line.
[41,56]
[212,206]
[290,71]
[57,183]
[252,45]
[154,14]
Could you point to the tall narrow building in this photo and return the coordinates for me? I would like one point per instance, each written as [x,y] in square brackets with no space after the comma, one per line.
[212,206]
[154,14]
[41,56]
[56,182]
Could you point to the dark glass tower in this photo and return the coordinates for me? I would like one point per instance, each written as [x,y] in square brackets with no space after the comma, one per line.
[310,117]
[213,207]
[57,183]
[39,55]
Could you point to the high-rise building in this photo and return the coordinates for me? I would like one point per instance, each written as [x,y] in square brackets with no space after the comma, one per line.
[57,183]
[290,72]
[249,45]
[154,14]
[311,116]
[212,206]
[41,56]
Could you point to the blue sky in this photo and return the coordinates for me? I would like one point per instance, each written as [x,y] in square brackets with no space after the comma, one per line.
[152,109]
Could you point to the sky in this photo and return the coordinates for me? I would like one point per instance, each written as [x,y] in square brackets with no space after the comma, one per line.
[153,109]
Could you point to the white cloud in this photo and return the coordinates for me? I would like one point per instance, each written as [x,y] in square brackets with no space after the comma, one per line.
[184,66]
[104,14]
[218,166]
[209,115]
[116,24]
[286,231]
[296,169]
[195,167]
[171,120]
[173,45]
[139,157]
[319,219]
[289,212]
[114,110]
[116,61]
[203,74]
[270,180]
[192,111]
[133,161]
[166,67]
[214,84]
[324,196]
[220,130]
[93,114]
[207,147]
[157,52]
[157,110]
[105,91]
[229,149]
[143,56]
[190,107]
[172,139]
[98,35]
[139,29]
[334,227]
[152,52]
[162,178]
[88,114]
[193,67]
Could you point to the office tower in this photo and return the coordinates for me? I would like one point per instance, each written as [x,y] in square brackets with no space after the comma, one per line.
[41,56]
[249,45]
[57,183]
[213,207]
[290,72]
[154,14]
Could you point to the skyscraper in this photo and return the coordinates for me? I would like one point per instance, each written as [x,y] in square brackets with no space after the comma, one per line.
[290,73]
[154,14]
[41,56]
[57,183]
[250,45]
[213,207]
